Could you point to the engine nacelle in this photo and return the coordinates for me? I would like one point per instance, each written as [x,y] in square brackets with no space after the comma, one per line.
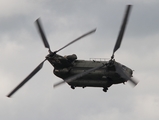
[71,58]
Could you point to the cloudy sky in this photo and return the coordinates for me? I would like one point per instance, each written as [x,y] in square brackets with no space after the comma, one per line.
[21,50]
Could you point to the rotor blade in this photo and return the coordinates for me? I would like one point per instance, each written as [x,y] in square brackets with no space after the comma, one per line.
[122,29]
[133,81]
[26,79]
[88,33]
[124,75]
[41,32]
[70,79]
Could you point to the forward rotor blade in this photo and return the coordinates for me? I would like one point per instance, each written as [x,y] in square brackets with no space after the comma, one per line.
[124,75]
[41,32]
[122,29]
[27,78]
[84,35]
[70,79]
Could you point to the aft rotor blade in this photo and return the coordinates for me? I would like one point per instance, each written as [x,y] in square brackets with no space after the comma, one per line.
[124,75]
[84,35]
[133,81]
[68,80]
[26,79]
[122,29]
[41,32]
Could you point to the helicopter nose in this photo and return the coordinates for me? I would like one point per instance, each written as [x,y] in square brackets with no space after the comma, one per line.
[130,72]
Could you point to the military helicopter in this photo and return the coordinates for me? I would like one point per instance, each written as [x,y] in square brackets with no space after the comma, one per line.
[84,73]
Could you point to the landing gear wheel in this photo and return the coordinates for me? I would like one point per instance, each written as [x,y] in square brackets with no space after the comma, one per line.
[105,89]
[72,87]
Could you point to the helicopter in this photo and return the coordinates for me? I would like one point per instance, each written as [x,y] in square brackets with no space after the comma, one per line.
[84,73]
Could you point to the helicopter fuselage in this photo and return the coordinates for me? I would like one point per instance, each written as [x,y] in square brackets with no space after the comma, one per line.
[67,66]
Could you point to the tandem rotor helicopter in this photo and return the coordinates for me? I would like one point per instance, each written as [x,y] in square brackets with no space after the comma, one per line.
[84,73]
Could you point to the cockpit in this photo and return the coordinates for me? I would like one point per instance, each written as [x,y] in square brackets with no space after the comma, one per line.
[127,70]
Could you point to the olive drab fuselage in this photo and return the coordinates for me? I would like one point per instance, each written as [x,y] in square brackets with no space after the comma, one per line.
[67,66]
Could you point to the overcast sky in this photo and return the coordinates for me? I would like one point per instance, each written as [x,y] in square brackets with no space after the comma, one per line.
[21,50]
